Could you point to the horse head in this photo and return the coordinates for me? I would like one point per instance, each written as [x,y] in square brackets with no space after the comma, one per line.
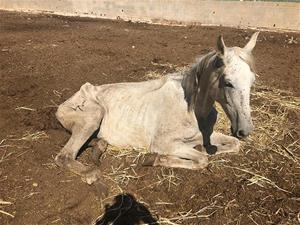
[225,76]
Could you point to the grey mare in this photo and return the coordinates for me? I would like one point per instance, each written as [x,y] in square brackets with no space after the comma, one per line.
[168,116]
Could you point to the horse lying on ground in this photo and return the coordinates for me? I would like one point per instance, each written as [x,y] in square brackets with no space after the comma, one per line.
[169,116]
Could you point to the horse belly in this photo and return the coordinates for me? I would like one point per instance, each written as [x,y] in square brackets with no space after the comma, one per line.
[125,131]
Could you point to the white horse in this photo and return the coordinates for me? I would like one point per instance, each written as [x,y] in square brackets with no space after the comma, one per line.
[168,116]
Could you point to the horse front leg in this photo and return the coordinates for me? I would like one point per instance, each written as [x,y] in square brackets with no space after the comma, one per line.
[206,126]
[179,155]
[225,143]
[216,143]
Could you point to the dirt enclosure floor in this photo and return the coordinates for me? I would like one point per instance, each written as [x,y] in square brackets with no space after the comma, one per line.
[45,59]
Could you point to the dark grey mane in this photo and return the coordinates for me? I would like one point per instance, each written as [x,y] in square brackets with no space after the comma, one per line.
[205,65]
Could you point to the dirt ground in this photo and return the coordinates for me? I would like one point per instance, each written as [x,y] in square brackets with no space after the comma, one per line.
[45,59]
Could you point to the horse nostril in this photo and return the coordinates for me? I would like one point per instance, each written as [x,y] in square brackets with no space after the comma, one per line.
[241,134]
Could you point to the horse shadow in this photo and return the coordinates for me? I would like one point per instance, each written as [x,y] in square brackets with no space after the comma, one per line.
[126,211]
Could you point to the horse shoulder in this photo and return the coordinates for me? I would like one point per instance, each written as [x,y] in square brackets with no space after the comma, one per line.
[174,115]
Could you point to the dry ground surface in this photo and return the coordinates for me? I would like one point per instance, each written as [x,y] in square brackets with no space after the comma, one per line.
[45,59]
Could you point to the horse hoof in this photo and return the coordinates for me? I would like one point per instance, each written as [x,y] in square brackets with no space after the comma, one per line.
[211,149]
[61,160]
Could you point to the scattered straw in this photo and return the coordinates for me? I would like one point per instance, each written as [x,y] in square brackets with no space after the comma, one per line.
[168,175]
[134,153]
[251,218]
[2,145]
[5,156]
[121,175]
[258,179]
[35,136]
[272,122]
[270,108]
[203,213]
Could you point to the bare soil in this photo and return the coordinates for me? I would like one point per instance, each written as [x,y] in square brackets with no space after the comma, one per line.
[44,59]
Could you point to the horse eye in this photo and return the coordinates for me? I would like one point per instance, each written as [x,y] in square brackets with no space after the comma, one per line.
[228,84]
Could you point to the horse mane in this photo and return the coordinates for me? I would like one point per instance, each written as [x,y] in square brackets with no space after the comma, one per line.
[192,76]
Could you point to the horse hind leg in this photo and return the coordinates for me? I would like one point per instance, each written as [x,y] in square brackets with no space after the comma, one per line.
[82,123]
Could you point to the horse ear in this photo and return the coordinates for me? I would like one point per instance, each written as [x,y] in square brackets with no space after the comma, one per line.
[252,42]
[221,45]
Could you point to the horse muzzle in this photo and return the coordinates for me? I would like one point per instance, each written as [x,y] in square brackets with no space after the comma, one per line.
[242,133]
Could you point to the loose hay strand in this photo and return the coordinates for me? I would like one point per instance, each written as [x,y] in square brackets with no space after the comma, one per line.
[25,108]
[6,213]
[5,202]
